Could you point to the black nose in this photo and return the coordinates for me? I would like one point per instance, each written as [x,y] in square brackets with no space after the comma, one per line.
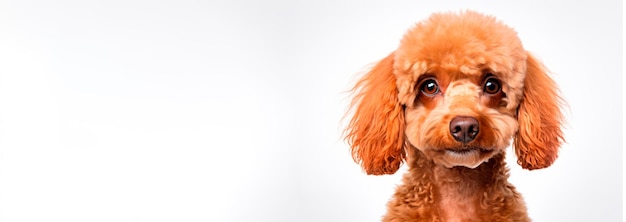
[464,128]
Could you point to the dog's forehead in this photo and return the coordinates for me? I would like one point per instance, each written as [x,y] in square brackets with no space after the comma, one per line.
[467,69]
[459,44]
[450,70]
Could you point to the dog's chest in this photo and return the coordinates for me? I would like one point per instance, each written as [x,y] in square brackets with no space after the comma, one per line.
[456,207]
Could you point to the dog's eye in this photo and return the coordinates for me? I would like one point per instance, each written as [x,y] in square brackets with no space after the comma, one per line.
[429,87]
[492,85]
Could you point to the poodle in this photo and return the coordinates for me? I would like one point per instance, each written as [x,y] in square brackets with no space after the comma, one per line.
[447,102]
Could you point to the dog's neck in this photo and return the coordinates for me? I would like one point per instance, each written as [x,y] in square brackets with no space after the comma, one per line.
[457,190]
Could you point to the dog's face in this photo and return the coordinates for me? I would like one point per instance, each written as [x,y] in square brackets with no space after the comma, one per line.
[462,89]
[458,88]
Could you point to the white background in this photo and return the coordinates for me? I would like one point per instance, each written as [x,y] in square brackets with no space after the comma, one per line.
[231,111]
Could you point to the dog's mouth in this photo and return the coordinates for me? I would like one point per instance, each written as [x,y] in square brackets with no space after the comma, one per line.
[469,157]
[465,151]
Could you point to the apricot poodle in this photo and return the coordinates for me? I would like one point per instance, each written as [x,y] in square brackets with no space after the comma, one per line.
[447,102]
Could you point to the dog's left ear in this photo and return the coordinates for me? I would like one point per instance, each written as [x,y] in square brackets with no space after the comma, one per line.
[539,137]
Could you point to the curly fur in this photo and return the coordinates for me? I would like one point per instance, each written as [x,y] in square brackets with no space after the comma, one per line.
[397,119]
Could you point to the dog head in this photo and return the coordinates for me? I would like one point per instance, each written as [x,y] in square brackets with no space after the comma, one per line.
[458,89]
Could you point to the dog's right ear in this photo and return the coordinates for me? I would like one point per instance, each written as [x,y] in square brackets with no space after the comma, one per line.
[376,131]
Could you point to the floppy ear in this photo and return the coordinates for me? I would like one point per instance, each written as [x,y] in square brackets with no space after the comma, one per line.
[539,137]
[376,131]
